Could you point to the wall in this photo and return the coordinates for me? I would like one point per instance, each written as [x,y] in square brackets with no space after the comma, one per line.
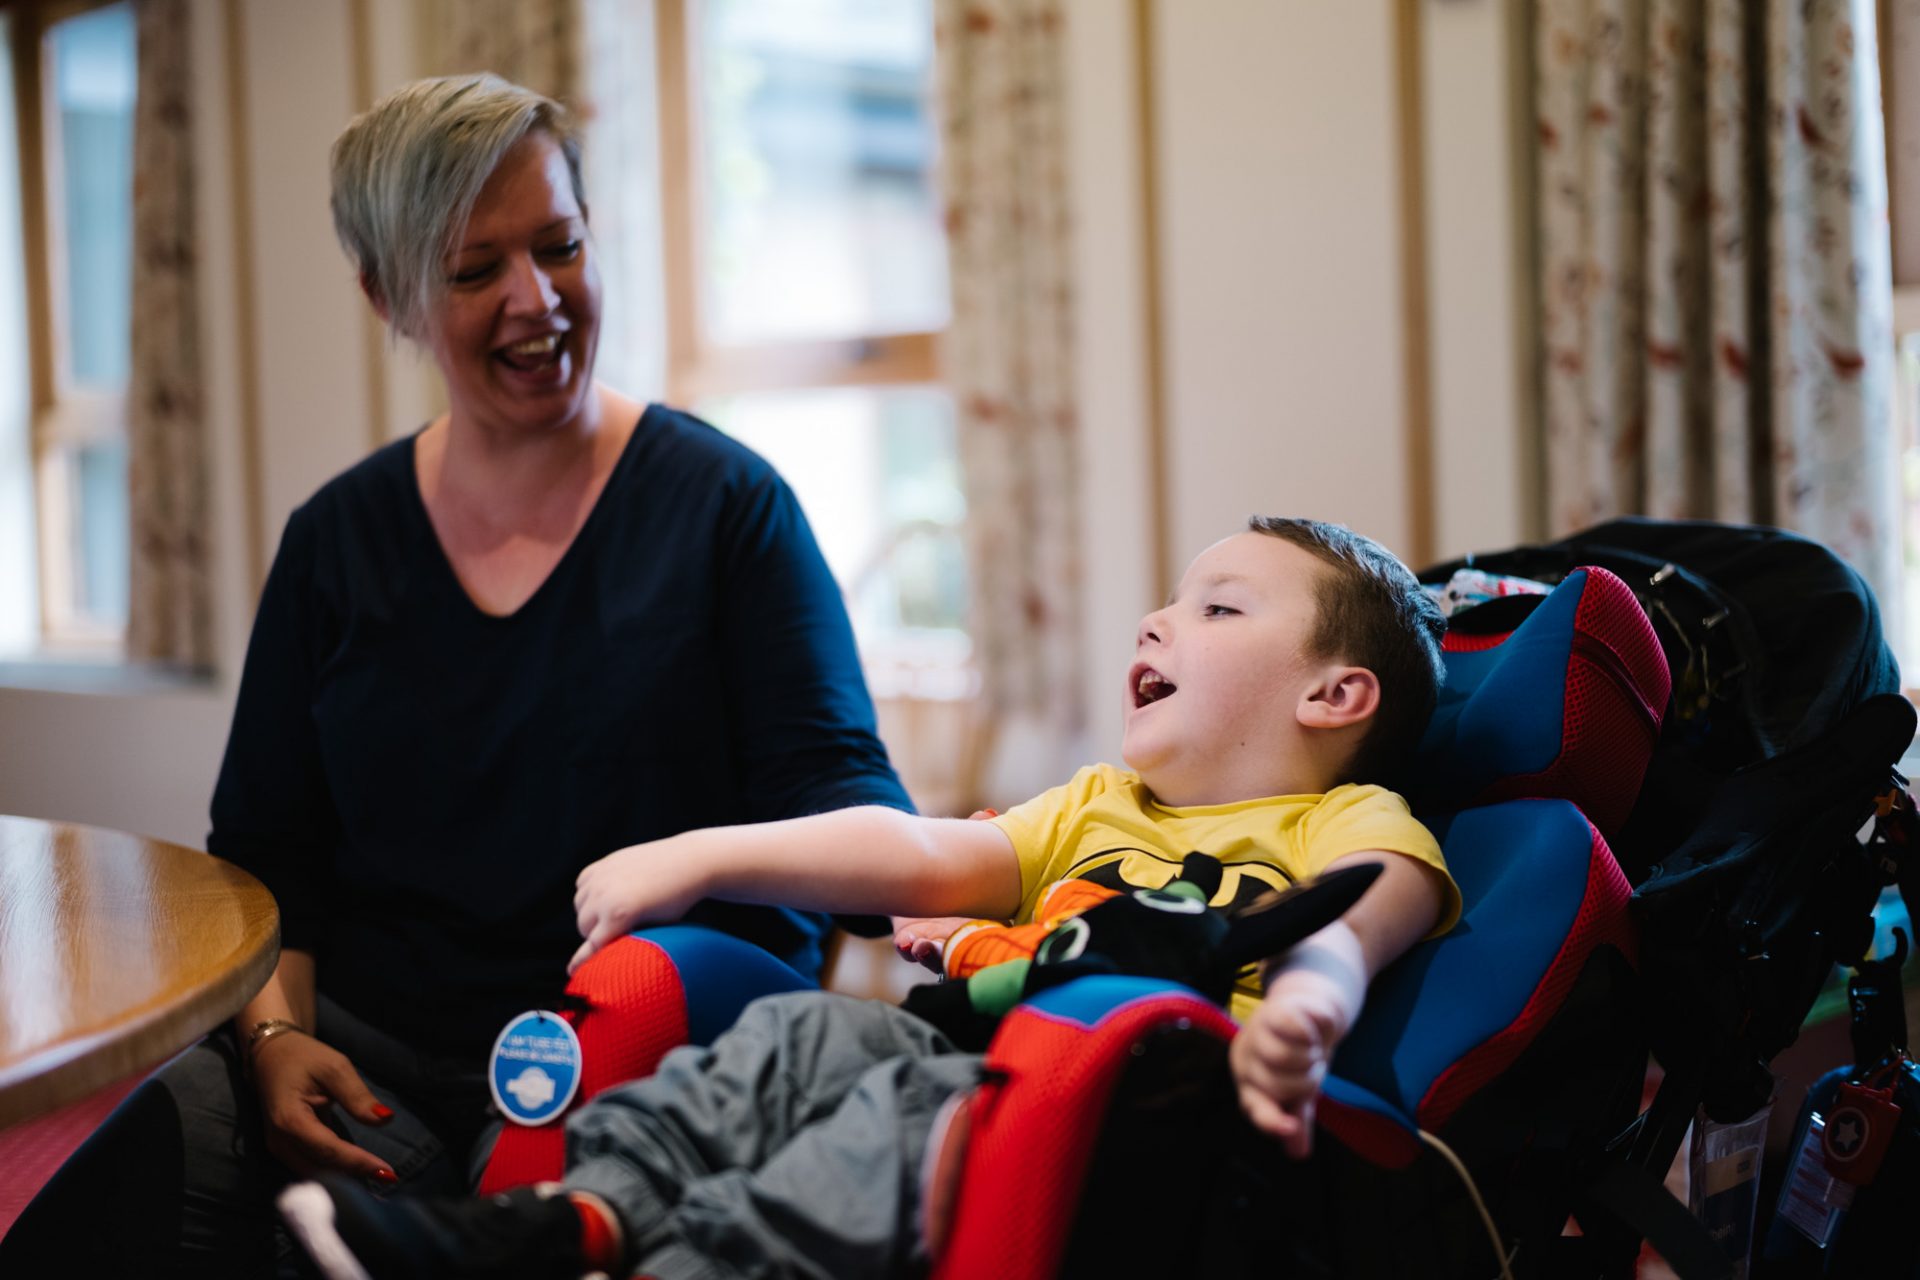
[1281,277]
[1276,206]
[1474,123]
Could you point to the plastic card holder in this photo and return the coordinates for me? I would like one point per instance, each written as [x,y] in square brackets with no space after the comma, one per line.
[1812,1200]
[1724,1181]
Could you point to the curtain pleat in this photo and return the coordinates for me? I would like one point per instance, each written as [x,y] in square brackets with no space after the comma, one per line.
[1715,282]
[535,43]
[169,608]
[1008,358]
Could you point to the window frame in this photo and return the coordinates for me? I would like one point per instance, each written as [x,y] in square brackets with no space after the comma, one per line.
[1903,164]
[698,369]
[64,415]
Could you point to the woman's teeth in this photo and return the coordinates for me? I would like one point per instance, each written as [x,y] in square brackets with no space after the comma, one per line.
[533,348]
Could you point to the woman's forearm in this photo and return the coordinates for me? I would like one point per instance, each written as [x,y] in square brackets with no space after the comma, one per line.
[288,993]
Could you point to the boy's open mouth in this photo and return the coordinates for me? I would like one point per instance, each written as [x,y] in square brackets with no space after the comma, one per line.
[1150,686]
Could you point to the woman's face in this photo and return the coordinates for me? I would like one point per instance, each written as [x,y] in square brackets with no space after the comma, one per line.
[514,333]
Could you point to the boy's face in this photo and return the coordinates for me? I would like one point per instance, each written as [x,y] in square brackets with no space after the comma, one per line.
[1220,673]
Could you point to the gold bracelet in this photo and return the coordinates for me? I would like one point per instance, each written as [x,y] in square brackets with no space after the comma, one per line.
[266,1030]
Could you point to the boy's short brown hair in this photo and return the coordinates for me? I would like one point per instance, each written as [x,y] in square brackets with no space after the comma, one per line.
[1373,613]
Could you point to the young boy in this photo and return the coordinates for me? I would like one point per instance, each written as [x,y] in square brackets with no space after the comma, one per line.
[1294,658]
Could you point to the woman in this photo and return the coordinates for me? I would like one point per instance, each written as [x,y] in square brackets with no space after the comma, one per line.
[552,623]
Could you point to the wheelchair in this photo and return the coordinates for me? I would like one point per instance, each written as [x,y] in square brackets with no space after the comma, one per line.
[1491,1093]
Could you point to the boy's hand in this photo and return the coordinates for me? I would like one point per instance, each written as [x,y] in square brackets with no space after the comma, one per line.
[1281,1055]
[648,883]
[921,941]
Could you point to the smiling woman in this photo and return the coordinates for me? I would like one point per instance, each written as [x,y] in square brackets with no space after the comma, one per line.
[520,319]
[551,623]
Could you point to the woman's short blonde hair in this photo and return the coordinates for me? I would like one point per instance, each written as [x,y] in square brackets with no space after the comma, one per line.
[407,171]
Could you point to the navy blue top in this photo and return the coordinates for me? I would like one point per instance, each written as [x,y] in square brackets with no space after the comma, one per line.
[418,782]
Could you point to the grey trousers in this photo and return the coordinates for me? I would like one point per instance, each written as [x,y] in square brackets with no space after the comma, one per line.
[178,1182]
[791,1147]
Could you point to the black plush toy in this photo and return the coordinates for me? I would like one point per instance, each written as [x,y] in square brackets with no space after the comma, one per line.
[1168,933]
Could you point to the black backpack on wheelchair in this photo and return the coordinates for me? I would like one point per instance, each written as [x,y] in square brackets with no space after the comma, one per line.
[1751,881]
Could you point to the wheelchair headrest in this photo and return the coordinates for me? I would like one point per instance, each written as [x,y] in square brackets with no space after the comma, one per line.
[1564,705]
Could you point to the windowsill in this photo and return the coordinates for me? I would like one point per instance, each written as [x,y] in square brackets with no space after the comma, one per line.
[921,665]
[105,674]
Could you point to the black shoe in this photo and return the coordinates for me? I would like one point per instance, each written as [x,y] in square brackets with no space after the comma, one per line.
[352,1235]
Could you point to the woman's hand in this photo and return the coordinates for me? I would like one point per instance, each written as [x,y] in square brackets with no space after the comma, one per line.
[650,883]
[295,1075]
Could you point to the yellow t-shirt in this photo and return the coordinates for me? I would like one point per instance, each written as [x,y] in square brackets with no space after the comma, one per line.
[1105,827]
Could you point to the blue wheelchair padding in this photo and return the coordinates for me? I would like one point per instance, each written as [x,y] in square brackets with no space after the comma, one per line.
[1501,711]
[1522,868]
[1087,1000]
[721,975]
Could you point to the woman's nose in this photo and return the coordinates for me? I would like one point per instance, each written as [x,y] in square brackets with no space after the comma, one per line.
[530,289]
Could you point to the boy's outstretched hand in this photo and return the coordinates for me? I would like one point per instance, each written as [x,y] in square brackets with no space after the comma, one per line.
[650,883]
[923,941]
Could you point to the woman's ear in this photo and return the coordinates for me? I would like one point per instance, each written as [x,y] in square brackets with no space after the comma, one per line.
[1342,696]
[376,299]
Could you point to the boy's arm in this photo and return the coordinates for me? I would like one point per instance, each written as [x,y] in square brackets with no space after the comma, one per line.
[866,861]
[922,941]
[1315,991]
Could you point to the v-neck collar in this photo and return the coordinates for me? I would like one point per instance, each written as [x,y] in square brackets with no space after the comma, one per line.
[418,501]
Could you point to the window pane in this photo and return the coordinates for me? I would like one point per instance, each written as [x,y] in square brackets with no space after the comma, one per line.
[817,147]
[100,499]
[879,477]
[93,75]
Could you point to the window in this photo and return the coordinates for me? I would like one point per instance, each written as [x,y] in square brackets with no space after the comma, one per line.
[73,72]
[806,285]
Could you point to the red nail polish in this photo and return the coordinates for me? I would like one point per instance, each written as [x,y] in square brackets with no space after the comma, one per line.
[382,1112]
[386,1177]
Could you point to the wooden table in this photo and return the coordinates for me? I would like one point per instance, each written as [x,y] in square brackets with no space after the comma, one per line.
[116,952]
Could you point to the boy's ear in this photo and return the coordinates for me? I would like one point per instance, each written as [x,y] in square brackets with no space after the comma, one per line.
[1342,696]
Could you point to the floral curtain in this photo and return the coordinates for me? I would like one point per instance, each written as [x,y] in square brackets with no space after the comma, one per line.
[170,602]
[1715,282]
[535,43]
[1008,359]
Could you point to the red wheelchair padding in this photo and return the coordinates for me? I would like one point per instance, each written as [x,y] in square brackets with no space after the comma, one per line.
[632,1008]
[631,1002]
[1052,1066]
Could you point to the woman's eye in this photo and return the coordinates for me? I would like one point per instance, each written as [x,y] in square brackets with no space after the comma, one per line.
[564,252]
[472,275]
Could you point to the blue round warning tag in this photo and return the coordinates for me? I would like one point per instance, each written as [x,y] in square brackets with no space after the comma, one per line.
[535,1067]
